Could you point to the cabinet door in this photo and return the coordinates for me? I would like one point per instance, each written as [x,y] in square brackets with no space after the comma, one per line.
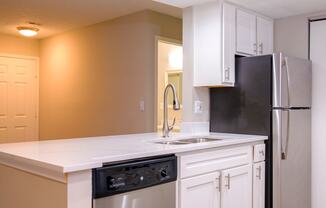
[264,36]
[207,43]
[200,191]
[228,72]
[246,33]
[259,185]
[237,187]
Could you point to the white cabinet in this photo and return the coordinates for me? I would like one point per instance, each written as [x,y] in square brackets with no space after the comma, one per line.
[259,152]
[200,191]
[246,33]
[222,178]
[216,178]
[213,56]
[254,34]
[259,185]
[228,54]
[237,187]
[264,36]
[214,32]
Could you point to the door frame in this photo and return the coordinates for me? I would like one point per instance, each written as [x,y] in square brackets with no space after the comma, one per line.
[166,40]
[37,75]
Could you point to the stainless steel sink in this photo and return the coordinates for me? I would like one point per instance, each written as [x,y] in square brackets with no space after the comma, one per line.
[200,140]
[189,141]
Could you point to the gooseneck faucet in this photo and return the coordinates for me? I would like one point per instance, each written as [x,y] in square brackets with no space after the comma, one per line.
[176,106]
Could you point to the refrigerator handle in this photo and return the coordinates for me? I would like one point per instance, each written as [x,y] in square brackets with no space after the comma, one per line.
[287,72]
[287,137]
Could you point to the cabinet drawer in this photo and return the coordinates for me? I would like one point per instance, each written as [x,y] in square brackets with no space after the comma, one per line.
[259,152]
[212,160]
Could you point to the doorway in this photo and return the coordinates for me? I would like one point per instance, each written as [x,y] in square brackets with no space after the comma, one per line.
[18,99]
[169,71]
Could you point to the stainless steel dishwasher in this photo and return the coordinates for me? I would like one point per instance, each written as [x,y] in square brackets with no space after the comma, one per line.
[146,183]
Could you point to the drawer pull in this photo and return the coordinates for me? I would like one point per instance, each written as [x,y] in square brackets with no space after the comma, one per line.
[218,182]
[259,172]
[228,185]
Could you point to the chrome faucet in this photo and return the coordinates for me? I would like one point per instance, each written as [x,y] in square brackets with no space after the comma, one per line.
[176,106]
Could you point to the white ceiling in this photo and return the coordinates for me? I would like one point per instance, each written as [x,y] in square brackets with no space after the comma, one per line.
[56,16]
[271,8]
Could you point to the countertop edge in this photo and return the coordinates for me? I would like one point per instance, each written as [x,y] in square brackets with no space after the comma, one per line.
[103,160]
[59,173]
[33,167]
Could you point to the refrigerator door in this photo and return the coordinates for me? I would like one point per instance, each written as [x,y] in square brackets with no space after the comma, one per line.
[291,82]
[291,158]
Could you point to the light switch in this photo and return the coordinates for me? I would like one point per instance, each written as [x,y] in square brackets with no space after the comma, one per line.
[142,106]
[198,108]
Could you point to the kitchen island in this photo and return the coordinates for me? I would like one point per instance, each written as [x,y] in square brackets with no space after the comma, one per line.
[58,173]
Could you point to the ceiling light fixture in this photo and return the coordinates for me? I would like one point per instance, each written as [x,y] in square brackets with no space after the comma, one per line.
[28,31]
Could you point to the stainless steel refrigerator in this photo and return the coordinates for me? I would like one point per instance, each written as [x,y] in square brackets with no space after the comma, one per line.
[272,97]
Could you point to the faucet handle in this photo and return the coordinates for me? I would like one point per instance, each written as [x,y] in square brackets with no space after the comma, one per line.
[173,123]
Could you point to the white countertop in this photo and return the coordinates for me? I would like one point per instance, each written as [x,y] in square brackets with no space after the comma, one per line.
[71,155]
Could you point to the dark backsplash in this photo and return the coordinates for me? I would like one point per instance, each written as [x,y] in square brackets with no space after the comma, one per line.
[245,108]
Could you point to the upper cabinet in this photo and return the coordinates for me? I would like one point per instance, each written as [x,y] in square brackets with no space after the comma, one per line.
[213,43]
[214,33]
[265,31]
[228,42]
[254,34]
[246,33]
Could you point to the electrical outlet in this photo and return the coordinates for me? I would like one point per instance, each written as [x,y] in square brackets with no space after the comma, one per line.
[198,106]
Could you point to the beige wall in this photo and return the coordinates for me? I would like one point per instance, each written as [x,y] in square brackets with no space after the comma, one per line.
[15,45]
[92,79]
[20,189]
[291,34]
[190,93]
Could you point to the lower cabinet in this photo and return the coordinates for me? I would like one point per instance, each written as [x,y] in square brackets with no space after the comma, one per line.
[201,191]
[259,185]
[237,187]
[225,178]
[226,189]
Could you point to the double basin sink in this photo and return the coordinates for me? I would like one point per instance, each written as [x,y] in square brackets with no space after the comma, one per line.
[189,141]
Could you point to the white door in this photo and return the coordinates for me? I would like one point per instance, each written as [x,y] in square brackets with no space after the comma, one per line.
[259,185]
[18,99]
[246,33]
[229,12]
[200,191]
[237,187]
[264,36]
[318,151]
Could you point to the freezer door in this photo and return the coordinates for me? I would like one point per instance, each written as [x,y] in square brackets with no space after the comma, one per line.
[291,158]
[291,81]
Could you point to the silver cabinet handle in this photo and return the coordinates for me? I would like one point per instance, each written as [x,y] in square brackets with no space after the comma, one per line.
[259,172]
[261,47]
[218,186]
[255,48]
[228,185]
[227,73]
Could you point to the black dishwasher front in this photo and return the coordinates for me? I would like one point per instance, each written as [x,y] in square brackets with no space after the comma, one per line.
[144,183]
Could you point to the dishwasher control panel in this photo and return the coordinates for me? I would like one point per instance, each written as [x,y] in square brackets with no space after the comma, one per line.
[133,175]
